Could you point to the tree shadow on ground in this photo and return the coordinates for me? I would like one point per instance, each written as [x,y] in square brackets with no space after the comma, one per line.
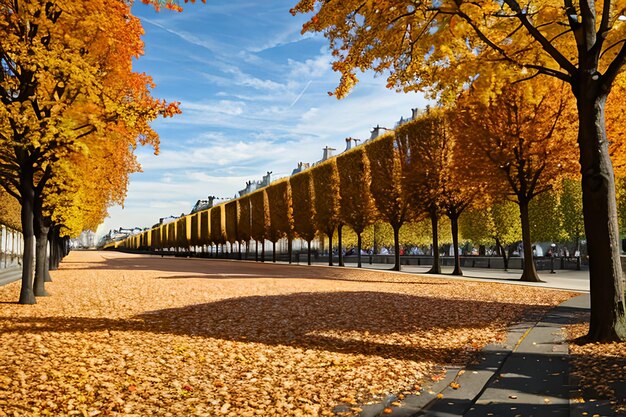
[362,322]
[252,276]
[233,269]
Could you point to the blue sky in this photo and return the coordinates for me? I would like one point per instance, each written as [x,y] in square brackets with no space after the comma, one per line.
[253,91]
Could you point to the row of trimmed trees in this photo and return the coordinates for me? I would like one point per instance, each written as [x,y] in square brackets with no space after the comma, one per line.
[445,162]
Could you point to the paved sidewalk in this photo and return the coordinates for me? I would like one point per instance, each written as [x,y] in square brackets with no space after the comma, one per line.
[562,279]
[526,376]
[9,275]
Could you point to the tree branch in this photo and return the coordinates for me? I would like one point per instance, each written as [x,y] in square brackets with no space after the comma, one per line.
[545,43]
[605,25]
[614,69]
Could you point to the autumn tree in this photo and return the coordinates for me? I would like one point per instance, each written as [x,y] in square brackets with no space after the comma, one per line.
[326,190]
[60,82]
[260,220]
[244,227]
[357,208]
[545,217]
[439,46]
[82,186]
[171,235]
[182,242]
[273,234]
[507,228]
[419,232]
[303,198]
[475,226]
[496,221]
[389,185]
[194,238]
[281,214]
[205,227]
[438,181]
[218,227]
[231,211]
[515,143]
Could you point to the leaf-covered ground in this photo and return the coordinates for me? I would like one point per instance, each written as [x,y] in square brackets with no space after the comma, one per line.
[137,335]
[600,369]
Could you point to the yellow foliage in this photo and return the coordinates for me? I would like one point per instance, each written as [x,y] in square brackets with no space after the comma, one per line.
[260,220]
[327,198]
[357,208]
[281,211]
[231,213]
[218,224]
[303,199]
[9,211]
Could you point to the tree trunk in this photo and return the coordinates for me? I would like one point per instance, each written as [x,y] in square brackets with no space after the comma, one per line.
[55,251]
[330,248]
[608,318]
[41,236]
[263,251]
[59,245]
[454,221]
[308,255]
[27,192]
[529,273]
[51,234]
[358,249]
[256,251]
[290,248]
[274,252]
[396,247]
[375,243]
[503,253]
[340,245]
[434,221]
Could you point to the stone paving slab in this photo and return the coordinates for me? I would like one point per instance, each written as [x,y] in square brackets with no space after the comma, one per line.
[526,376]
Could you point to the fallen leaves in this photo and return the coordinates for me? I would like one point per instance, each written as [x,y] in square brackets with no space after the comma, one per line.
[600,369]
[127,335]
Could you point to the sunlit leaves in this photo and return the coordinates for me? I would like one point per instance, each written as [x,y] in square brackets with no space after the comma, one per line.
[260,219]
[514,144]
[303,198]
[327,197]
[387,187]
[357,207]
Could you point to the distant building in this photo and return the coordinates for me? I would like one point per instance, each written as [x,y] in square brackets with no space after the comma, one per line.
[349,142]
[203,204]
[301,167]
[87,239]
[415,113]
[166,220]
[252,186]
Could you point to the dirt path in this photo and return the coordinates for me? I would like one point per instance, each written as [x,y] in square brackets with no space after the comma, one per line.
[139,335]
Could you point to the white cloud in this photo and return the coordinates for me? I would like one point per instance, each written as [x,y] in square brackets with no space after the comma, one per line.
[228,107]
[311,68]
